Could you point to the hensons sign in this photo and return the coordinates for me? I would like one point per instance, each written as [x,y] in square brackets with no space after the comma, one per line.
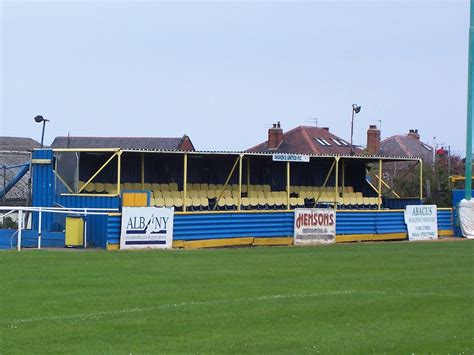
[422,222]
[315,226]
[146,227]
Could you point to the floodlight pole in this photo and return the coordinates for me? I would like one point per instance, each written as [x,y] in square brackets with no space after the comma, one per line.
[470,97]
[352,131]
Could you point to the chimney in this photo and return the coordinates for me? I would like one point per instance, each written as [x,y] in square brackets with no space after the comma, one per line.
[373,140]
[325,128]
[275,136]
[414,133]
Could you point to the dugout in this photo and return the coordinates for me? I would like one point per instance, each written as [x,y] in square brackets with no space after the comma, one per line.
[252,194]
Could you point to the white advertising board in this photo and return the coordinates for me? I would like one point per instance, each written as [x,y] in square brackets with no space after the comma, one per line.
[291,157]
[147,227]
[314,226]
[422,222]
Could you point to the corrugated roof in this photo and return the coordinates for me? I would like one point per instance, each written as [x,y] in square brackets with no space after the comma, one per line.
[18,144]
[309,140]
[119,142]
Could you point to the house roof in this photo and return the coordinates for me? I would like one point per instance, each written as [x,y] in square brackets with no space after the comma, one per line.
[18,144]
[309,140]
[121,142]
[406,145]
[12,160]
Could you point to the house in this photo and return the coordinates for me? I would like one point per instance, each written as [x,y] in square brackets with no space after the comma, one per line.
[304,140]
[406,145]
[147,143]
[15,152]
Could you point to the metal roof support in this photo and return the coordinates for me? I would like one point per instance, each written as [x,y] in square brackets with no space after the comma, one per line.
[343,175]
[227,181]
[288,184]
[388,186]
[239,200]
[98,171]
[185,180]
[248,175]
[379,201]
[142,157]
[325,182]
[119,167]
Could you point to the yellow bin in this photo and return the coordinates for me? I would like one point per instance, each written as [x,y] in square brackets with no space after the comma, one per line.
[74,231]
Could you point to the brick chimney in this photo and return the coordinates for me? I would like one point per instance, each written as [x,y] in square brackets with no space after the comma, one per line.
[275,136]
[373,140]
[414,133]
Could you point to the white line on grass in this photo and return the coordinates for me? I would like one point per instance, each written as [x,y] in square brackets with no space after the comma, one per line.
[98,315]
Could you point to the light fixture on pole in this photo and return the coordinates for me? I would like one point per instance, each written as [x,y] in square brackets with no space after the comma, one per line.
[39,119]
[355,109]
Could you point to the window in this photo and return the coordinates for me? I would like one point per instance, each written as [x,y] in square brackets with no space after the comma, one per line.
[325,141]
[427,147]
[337,142]
[344,143]
[322,142]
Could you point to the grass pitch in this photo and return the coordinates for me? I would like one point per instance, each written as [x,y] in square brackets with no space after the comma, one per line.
[357,298]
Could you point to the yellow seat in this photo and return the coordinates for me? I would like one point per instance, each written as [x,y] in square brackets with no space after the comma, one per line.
[204,203]
[211,187]
[221,204]
[169,202]
[147,186]
[128,186]
[99,187]
[293,202]
[164,187]
[244,188]
[189,203]
[152,201]
[260,194]
[211,193]
[173,186]
[253,193]
[166,194]
[178,202]
[80,184]
[90,188]
[235,187]
[109,187]
[157,194]
[262,202]
[253,202]
[176,194]
[259,188]
[270,202]
[155,187]
[204,187]
[137,186]
[245,202]
[235,194]
[300,202]
[159,202]
[230,203]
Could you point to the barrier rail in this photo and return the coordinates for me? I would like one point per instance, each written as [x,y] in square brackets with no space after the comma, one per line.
[59,210]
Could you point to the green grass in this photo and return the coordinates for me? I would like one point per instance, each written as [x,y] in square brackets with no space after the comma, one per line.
[357,298]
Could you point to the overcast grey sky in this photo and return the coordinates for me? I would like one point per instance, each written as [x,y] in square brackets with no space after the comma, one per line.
[223,72]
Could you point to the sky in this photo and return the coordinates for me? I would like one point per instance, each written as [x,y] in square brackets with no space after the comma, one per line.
[223,72]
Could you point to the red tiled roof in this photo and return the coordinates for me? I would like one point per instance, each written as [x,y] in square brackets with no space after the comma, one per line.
[304,140]
[406,145]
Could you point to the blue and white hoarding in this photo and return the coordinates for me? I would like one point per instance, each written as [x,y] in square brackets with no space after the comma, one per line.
[147,227]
